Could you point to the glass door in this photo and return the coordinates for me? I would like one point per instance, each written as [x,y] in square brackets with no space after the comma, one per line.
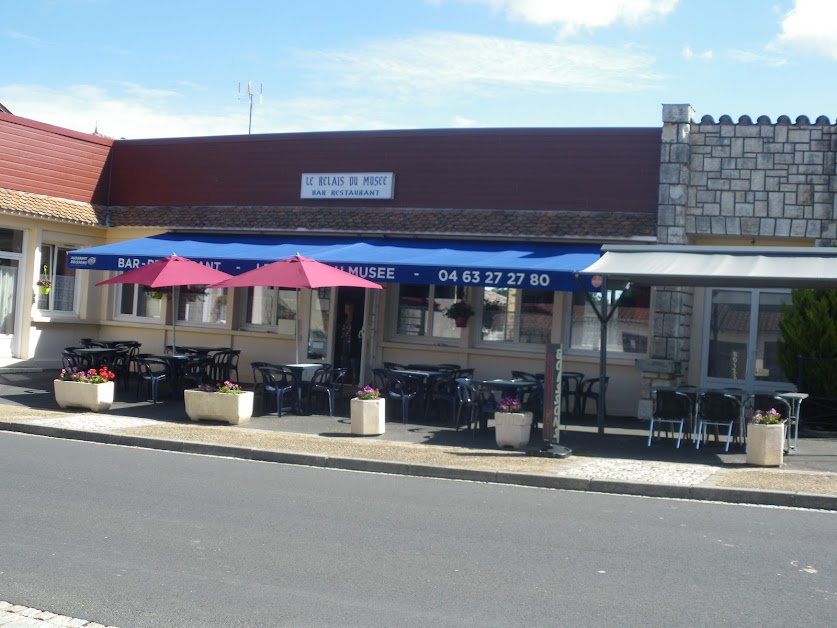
[11,255]
[741,339]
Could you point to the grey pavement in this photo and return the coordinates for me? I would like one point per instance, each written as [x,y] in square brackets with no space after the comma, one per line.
[617,462]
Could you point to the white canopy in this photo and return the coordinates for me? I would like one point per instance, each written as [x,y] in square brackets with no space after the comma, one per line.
[720,266]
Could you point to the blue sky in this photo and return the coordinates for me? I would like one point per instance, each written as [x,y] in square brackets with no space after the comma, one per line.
[173,68]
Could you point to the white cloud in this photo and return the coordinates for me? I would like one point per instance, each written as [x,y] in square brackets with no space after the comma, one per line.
[690,54]
[748,56]
[811,26]
[572,16]
[434,63]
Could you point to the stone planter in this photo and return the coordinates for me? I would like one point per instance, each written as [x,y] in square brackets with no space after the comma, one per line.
[765,444]
[95,397]
[512,429]
[368,416]
[213,406]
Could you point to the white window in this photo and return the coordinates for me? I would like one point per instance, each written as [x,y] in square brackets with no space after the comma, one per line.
[199,304]
[628,329]
[517,316]
[135,301]
[56,282]
[421,311]
[270,308]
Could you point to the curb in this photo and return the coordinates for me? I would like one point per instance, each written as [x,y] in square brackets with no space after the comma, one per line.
[730,495]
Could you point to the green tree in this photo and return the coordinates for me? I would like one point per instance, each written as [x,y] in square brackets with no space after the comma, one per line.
[809,329]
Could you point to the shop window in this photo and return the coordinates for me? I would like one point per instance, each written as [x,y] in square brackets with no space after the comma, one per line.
[133,300]
[741,341]
[514,315]
[628,329]
[60,280]
[421,311]
[197,304]
[270,308]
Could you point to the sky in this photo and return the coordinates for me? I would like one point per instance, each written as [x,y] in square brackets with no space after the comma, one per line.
[178,68]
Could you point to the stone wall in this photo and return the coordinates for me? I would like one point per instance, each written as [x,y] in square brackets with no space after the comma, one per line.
[761,181]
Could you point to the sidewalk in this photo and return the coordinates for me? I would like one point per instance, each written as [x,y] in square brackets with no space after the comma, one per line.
[617,462]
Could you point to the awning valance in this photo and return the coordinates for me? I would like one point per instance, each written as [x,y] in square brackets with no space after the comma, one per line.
[536,266]
[719,266]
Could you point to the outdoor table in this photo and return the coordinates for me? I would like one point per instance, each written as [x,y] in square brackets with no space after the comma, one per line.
[516,387]
[98,356]
[425,379]
[196,350]
[302,373]
[795,400]
[177,362]
[113,344]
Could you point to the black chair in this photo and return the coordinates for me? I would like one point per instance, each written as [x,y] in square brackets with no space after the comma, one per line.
[258,382]
[444,390]
[72,362]
[153,371]
[718,409]
[671,408]
[279,384]
[591,389]
[472,406]
[403,389]
[224,363]
[329,382]
[195,372]
[533,398]
[121,366]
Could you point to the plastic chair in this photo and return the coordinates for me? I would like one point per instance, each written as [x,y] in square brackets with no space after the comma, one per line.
[153,371]
[720,409]
[196,371]
[279,383]
[224,362]
[472,405]
[329,382]
[121,366]
[445,390]
[671,408]
[591,390]
[258,382]
[401,389]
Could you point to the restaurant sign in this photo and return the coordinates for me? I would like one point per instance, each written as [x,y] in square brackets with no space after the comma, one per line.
[347,185]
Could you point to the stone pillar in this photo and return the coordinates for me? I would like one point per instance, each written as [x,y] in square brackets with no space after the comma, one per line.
[669,349]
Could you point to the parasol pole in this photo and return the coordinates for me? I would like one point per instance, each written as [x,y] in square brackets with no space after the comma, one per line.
[296,322]
[175,294]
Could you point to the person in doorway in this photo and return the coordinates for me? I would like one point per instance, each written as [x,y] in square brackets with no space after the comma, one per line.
[349,335]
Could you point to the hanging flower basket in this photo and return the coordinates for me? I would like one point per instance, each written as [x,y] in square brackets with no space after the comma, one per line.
[43,289]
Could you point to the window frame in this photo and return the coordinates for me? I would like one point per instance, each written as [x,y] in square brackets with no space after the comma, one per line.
[462,293]
[52,266]
[517,315]
[613,351]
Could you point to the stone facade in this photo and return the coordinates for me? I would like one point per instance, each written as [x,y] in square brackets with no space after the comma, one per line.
[763,182]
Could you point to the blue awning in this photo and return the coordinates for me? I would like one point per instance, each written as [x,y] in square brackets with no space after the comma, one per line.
[442,262]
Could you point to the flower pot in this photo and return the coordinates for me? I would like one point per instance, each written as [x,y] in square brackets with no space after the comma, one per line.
[95,397]
[43,289]
[765,444]
[512,429]
[461,321]
[214,406]
[368,416]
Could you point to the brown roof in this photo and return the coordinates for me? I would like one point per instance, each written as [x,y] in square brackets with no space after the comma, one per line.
[40,206]
[532,225]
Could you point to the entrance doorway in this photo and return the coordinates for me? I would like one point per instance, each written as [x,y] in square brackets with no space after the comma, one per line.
[348,332]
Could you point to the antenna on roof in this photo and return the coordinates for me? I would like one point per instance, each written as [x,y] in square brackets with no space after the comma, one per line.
[251,95]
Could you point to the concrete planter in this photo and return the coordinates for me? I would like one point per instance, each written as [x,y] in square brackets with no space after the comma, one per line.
[213,406]
[95,397]
[368,416]
[512,429]
[765,444]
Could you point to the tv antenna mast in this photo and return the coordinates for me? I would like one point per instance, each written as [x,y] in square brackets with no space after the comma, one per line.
[251,95]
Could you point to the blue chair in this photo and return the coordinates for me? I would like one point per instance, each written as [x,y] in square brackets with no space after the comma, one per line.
[329,382]
[153,371]
[401,389]
[280,384]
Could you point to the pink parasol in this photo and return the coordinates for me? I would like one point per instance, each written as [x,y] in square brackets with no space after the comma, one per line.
[171,271]
[297,272]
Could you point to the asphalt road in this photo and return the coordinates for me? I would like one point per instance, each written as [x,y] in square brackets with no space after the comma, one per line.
[144,539]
